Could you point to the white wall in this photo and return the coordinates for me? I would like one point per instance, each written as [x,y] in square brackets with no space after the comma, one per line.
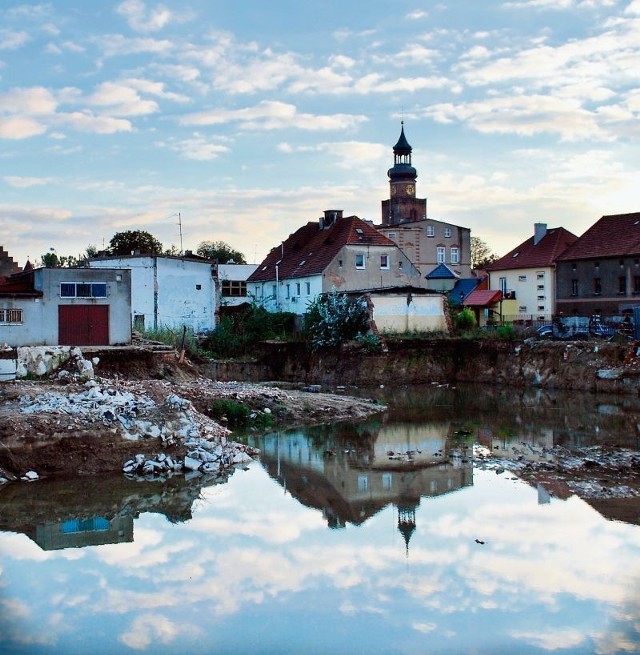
[164,290]
[40,315]
[423,313]
[526,290]
[269,295]
[235,273]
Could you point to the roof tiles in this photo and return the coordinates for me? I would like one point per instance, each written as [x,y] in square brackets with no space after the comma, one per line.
[309,250]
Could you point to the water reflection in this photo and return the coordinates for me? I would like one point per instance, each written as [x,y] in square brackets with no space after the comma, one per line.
[351,471]
[250,566]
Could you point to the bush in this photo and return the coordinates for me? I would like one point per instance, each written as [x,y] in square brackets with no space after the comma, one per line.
[466,320]
[174,337]
[230,411]
[333,318]
[507,332]
[237,334]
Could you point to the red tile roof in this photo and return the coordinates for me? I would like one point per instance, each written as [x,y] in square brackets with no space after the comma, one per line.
[530,255]
[482,298]
[617,235]
[309,250]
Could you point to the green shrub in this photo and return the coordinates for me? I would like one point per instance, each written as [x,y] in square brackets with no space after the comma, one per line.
[466,320]
[507,332]
[229,411]
[176,337]
[333,318]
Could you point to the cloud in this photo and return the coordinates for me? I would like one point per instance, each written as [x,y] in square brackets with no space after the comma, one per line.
[122,100]
[10,40]
[26,182]
[142,19]
[16,127]
[152,628]
[117,45]
[273,115]
[347,154]
[197,148]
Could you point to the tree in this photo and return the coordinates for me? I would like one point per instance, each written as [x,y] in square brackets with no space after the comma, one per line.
[126,243]
[481,253]
[220,252]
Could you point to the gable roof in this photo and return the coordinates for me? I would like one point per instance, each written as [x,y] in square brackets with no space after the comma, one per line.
[530,255]
[616,235]
[482,298]
[309,250]
[442,272]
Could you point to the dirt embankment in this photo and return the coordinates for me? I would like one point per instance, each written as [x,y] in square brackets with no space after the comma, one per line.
[76,427]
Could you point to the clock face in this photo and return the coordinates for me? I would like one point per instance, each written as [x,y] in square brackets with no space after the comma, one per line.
[410,189]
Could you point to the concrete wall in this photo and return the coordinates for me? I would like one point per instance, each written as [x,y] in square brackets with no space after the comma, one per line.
[168,291]
[401,313]
[40,315]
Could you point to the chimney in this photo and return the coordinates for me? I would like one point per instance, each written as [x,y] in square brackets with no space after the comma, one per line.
[539,231]
[329,218]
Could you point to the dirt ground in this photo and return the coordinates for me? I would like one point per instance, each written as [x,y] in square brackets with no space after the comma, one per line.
[57,440]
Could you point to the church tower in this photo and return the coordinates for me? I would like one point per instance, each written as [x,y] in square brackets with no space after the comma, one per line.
[402,206]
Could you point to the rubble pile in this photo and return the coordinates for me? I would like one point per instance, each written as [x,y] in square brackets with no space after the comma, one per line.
[590,472]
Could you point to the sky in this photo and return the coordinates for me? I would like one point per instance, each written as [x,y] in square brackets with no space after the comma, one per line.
[207,120]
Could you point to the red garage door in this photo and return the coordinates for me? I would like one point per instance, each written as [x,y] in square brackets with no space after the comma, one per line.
[83,325]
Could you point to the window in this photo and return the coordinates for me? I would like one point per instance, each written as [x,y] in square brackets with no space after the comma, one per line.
[522,309]
[540,297]
[198,287]
[384,262]
[297,288]
[10,316]
[522,278]
[400,264]
[597,286]
[541,287]
[447,232]
[83,290]
[540,276]
[340,263]
[392,235]
[573,266]
[574,287]
[387,480]
[622,285]
[503,285]
[440,254]
[308,288]
[234,288]
[455,255]
[288,291]
[360,261]
[431,231]
[540,308]
[363,483]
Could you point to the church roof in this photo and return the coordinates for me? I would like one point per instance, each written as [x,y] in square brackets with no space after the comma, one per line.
[402,147]
[309,250]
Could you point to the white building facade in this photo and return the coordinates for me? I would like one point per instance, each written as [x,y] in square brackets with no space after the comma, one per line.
[168,291]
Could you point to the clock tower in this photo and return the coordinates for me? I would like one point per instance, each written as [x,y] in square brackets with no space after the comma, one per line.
[403,206]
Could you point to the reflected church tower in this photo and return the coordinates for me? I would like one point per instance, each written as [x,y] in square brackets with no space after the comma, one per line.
[407,521]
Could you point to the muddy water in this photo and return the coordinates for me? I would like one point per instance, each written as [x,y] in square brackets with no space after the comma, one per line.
[336,541]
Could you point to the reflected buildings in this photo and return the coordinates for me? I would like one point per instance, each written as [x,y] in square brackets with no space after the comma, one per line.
[355,471]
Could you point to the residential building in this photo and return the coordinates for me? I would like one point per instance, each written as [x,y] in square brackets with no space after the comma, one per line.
[232,281]
[426,242]
[66,307]
[600,272]
[526,275]
[337,252]
[168,291]
[7,265]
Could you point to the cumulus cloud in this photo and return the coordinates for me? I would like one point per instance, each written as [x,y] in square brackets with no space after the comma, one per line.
[198,147]
[10,40]
[273,115]
[142,19]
